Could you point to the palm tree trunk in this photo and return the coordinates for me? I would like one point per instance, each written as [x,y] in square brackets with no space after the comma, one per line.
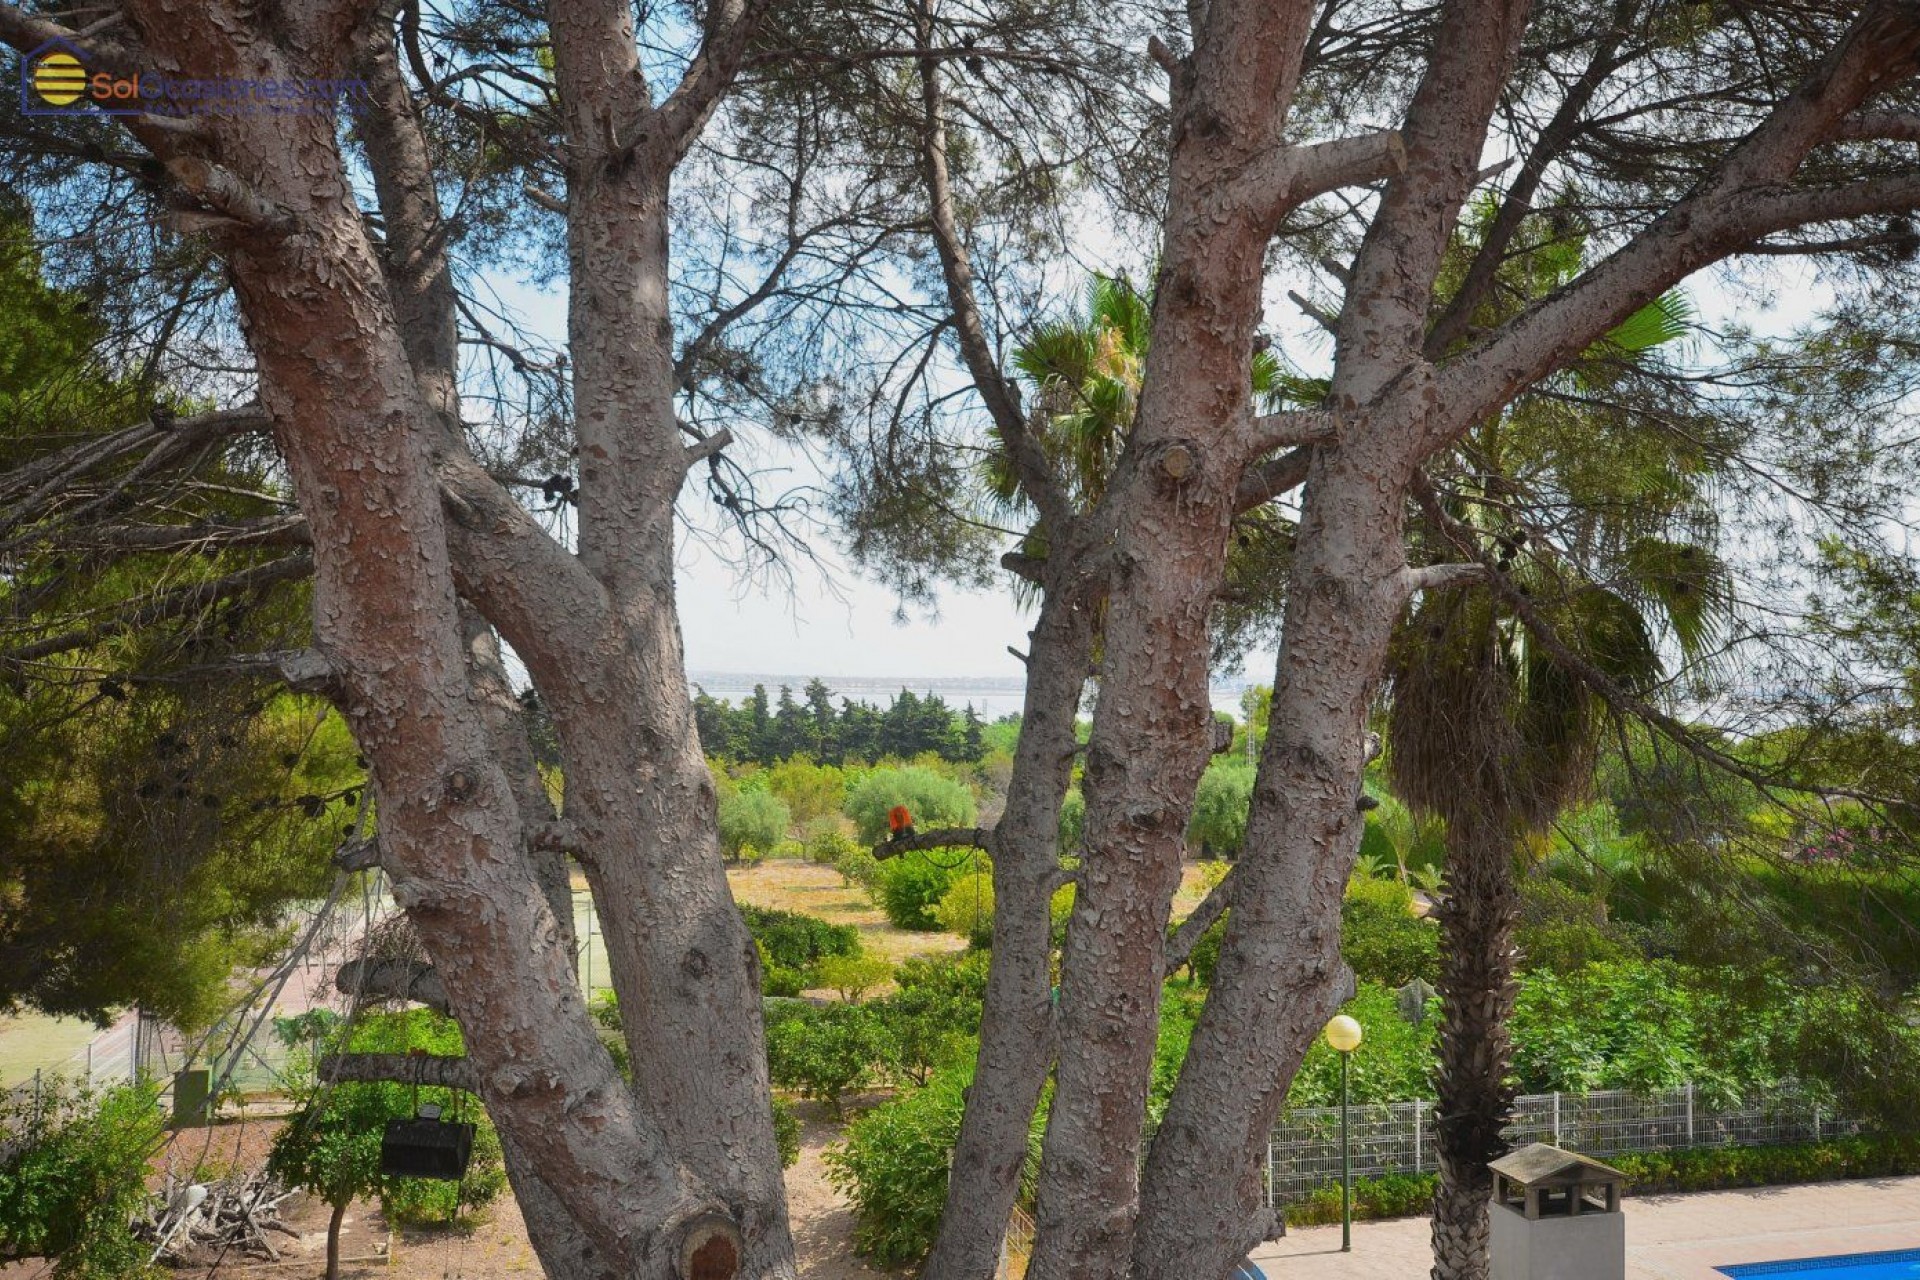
[1477,991]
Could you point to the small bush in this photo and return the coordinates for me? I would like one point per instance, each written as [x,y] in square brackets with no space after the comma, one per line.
[777,979]
[76,1176]
[966,908]
[752,823]
[1073,822]
[1059,912]
[1218,826]
[786,1132]
[797,940]
[961,977]
[893,1167]
[928,1029]
[935,801]
[1382,939]
[826,841]
[828,1052]
[810,791]
[858,866]
[853,976]
[910,887]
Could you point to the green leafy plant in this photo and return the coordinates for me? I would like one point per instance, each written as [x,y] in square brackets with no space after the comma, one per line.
[826,841]
[934,799]
[828,1052]
[853,976]
[797,940]
[752,823]
[910,887]
[966,908]
[1218,826]
[1382,939]
[786,1132]
[893,1166]
[73,1166]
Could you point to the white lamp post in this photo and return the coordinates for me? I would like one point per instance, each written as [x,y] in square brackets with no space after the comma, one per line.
[1344,1034]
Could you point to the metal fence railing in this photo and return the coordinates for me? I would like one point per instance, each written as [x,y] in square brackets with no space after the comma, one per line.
[1303,1151]
[1016,1247]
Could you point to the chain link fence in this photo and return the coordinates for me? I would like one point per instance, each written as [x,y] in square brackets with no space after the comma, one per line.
[1303,1151]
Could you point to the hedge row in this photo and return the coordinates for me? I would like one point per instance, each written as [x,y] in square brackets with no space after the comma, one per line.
[1651,1173]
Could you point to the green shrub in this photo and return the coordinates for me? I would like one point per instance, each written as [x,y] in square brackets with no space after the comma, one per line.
[777,979]
[962,977]
[966,908]
[1059,912]
[1393,1195]
[752,823]
[910,887]
[934,800]
[810,791]
[786,1132]
[933,1020]
[1218,827]
[1073,822]
[827,1053]
[1382,939]
[852,976]
[796,940]
[332,1144]
[75,1177]
[893,1167]
[858,866]
[1392,1063]
[826,841]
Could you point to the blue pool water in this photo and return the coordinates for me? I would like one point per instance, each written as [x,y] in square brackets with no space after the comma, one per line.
[1900,1264]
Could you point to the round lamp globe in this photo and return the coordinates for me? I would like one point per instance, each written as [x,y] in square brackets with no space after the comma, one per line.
[1343,1033]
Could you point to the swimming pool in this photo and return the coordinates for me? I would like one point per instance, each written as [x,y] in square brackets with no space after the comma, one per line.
[1899,1264]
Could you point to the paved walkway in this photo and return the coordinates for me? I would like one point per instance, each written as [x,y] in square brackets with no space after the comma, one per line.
[1668,1237]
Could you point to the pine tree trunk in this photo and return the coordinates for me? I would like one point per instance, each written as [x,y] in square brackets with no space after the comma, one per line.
[1016,1025]
[1280,975]
[1477,986]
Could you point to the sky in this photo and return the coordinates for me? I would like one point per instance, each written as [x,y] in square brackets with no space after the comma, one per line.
[831,620]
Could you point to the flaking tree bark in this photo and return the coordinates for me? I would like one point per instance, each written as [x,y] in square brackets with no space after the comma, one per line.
[679,1176]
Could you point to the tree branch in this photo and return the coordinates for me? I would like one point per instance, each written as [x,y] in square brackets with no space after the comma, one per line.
[399,1068]
[1744,200]
[1437,577]
[1265,481]
[1879,126]
[679,120]
[166,606]
[409,980]
[1036,473]
[1180,946]
[1290,176]
[1293,427]
[940,838]
[1444,134]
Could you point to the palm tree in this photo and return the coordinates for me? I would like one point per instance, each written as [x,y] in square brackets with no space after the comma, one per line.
[1489,734]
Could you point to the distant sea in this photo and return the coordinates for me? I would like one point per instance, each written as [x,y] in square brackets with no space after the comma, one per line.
[991,696]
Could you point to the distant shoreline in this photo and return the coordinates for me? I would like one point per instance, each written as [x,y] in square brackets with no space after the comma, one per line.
[992,695]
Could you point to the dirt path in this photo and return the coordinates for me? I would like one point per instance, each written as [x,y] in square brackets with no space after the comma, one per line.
[822,1221]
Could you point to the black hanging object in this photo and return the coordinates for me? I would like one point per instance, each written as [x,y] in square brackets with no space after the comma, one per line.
[426,1147]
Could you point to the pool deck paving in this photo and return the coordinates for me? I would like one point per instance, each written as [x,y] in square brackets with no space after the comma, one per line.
[1668,1237]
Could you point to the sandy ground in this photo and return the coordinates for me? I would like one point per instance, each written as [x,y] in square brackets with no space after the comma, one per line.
[493,1245]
